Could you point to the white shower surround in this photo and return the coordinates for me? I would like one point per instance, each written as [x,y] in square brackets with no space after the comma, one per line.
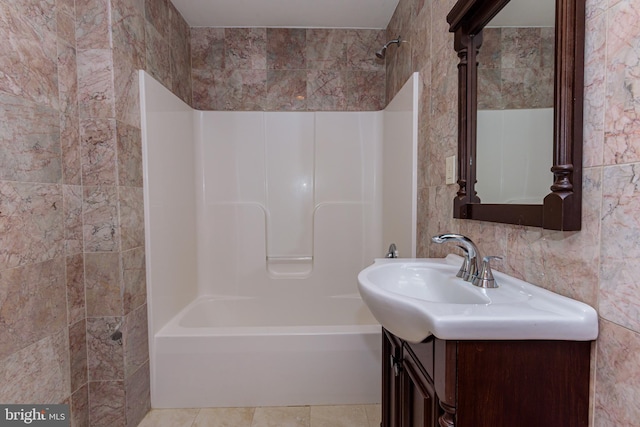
[298,332]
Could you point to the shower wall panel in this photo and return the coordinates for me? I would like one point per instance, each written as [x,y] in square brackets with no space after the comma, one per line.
[170,201]
[399,170]
[289,156]
[288,201]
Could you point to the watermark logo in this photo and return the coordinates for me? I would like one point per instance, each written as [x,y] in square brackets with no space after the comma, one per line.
[34,415]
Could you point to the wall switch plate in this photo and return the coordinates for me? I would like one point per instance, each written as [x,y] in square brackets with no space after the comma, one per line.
[450,176]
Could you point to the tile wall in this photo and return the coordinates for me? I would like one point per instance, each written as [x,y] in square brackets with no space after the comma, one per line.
[599,264]
[72,274]
[284,69]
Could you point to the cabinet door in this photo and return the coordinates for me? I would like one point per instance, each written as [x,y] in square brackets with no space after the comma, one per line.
[391,385]
[418,397]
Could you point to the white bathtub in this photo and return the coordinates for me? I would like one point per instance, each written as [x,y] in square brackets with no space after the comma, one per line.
[236,352]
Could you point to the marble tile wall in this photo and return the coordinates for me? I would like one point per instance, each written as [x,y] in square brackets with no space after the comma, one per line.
[281,69]
[515,68]
[597,265]
[72,275]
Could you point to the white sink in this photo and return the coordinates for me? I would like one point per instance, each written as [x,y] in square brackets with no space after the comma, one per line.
[415,298]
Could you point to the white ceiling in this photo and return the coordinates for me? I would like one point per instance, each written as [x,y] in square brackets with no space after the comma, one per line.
[287,13]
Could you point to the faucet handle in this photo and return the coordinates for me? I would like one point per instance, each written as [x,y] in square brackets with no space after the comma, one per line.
[484,278]
[392,252]
[463,273]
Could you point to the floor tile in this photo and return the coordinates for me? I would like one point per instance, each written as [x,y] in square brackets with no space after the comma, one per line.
[290,416]
[224,417]
[374,415]
[339,416]
[169,418]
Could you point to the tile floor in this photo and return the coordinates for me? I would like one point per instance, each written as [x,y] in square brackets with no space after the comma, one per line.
[290,416]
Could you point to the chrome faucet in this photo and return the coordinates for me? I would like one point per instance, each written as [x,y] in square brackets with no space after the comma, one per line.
[470,267]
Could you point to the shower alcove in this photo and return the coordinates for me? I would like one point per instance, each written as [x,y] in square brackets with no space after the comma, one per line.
[257,224]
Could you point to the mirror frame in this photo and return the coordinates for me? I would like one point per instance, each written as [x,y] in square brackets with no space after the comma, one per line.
[562,207]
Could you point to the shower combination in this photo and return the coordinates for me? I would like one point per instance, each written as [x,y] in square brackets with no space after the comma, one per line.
[382,52]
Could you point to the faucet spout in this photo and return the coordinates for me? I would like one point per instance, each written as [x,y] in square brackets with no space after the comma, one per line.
[472,254]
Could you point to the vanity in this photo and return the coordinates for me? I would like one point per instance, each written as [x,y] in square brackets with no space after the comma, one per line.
[467,383]
[460,355]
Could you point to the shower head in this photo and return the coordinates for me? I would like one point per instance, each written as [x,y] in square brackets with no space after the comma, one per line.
[382,52]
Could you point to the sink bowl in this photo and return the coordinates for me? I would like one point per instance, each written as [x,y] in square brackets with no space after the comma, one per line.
[416,298]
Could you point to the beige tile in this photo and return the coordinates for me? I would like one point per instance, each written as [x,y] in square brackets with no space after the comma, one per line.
[246,48]
[32,304]
[80,407]
[224,417]
[32,223]
[619,299]
[99,157]
[621,104]
[127,25]
[105,355]
[207,48]
[92,26]
[360,47]
[157,13]
[78,354]
[29,54]
[157,55]
[131,206]
[133,279]
[129,146]
[339,416]
[365,90]
[326,90]
[374,415]
[103,284]
[617,400]
[75,288]
[291,416]
[286,90]
[101,227]
[595,89]
[31,143]
[38,373]
[137,395]
[170,418]
[95,83]
[327,49]
[136,342]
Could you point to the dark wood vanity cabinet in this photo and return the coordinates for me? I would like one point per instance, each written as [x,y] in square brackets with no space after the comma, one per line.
[439,383]
[408,392]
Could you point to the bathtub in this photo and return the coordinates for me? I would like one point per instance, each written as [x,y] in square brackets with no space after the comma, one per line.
[237,352]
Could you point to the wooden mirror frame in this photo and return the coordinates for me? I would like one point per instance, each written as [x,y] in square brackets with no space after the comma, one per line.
[562,208]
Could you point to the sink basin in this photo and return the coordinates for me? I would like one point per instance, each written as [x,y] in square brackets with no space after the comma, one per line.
[416,298]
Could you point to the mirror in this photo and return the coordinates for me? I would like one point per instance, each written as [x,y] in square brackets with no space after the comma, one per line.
[471,22]
[515,104]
